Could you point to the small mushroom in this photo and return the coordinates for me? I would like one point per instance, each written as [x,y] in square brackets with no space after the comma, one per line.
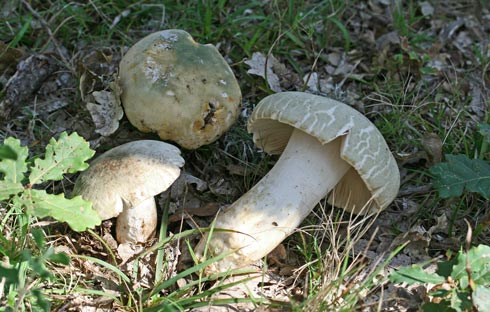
[328,148]
[182,90]
[123,181]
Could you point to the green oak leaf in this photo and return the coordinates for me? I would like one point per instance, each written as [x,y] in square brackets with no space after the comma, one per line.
[484,130]
[78,213]
[479,261]
[8,188]
[9,274]
[14,170]
[6,152]
[436,307]
[67,155]
[459,172]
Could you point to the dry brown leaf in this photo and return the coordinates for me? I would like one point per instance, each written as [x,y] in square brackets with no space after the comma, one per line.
[277,255]
[107,111]
[127,250]
[208,210]
[180,186]
[95,68]
[258,67]
[237,169]
[418,242]
[440,226]
[110,241]
[9,57]
[432,145]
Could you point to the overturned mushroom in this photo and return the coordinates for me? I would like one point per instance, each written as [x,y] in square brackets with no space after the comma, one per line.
[327,148]
[182,90]
[123,181]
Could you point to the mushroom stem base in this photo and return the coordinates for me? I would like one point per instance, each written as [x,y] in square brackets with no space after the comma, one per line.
[137,224]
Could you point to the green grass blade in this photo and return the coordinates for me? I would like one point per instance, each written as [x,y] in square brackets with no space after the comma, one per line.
[195,268]
[106,265]
[343,30]
[187,303]
[20,34]
[160,252]
[185,289]
[216,302]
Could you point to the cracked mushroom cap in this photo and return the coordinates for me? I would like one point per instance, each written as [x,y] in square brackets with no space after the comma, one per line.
[129,174]
[373,180]
[182,90]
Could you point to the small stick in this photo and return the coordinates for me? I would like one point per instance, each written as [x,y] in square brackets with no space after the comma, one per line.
[50,34]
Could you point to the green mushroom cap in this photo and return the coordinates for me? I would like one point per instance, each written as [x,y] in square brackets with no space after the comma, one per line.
[182,90]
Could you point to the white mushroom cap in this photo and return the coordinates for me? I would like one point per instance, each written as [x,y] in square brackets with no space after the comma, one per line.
[182,90]
[125,179]
[373,180]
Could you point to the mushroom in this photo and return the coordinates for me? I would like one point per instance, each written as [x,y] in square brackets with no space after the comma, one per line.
[328,148]
[182,90]
[123,181]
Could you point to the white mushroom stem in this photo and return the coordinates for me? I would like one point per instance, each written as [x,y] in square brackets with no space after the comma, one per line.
[137,224]
[304,174]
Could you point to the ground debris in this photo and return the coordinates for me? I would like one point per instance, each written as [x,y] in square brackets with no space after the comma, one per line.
[21,87]
[9,57]
[263,66]
[107,109]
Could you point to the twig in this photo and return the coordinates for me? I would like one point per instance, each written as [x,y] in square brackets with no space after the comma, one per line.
[50,34]
[415,189]
[471,282]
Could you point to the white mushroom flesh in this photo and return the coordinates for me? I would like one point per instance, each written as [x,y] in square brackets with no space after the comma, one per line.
[137,224]
[304,174]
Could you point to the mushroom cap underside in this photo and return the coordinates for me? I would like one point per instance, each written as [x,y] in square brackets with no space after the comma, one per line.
[373,180]
[184,91]
[129,174]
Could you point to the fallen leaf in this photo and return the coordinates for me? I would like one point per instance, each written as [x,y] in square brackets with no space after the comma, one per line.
[110,241]
[127,250]
[184,193]
[237,170]
[221,186]
[277,255]
[258,67]
[426,8]
[208,210]
[432,145]
[463,41]
[107,111]
[311,81]
[334,58]
[386,39]
[478,101]
[418,241]
[9,57]
[440,226]
[95,68]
